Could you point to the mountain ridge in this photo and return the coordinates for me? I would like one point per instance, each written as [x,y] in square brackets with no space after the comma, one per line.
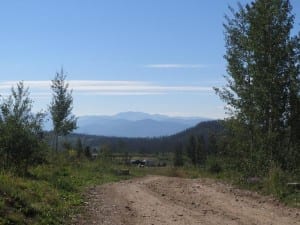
[135,124]
[150,145]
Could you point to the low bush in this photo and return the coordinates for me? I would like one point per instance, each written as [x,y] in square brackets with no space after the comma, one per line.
[50,194]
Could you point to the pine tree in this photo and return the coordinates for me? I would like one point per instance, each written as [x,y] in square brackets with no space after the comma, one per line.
[61,107]
[191,149]
[212,147]
[196,150]
[178,156]
[200,151]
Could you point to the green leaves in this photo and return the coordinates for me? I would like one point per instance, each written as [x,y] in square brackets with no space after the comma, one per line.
[196,150]
[61,107]
[262,89]
[20,145]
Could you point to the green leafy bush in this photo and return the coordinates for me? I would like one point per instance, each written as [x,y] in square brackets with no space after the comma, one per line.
[276,182]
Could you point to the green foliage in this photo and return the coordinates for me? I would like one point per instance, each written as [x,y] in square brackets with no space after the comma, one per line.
[191,150]
[106,153]
[150,145]
[61,107]
[276,182]
[53,192]
[178,156]
[212,145]
[20,140]
[196,150]
[263,86]
[79,148]
[215,167]
[201,151]
[25,200]
[87,152]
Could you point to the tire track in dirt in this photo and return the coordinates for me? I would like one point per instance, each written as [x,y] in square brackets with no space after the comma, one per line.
[176,201]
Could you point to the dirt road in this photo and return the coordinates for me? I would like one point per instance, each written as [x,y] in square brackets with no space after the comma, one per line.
[155,200]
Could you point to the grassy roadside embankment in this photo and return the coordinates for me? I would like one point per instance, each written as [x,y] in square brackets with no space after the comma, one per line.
[274,183]
[53,192]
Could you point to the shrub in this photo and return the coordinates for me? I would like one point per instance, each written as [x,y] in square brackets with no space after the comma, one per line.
[276,182]
[215,168]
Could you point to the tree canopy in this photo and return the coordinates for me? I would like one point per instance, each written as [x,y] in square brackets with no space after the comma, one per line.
[263,83]
[61,107]
[20,128]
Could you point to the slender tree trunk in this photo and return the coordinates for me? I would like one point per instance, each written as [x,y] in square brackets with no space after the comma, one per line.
[55,144]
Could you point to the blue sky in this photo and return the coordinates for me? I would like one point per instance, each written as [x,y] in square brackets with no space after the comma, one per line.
[155,56]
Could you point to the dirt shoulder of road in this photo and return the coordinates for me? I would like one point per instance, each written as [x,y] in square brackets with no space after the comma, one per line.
[177,201]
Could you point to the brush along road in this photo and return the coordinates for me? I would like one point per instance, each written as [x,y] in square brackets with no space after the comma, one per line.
[175,201]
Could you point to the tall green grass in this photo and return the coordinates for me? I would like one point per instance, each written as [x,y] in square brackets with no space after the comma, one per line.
[52,192]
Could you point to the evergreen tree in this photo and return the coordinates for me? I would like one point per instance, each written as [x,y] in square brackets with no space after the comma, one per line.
[61,107]
[262,91]
[178,156]
[79,147]
[196,150]
[200,151]
[212,147]
[191,149]
[87,152]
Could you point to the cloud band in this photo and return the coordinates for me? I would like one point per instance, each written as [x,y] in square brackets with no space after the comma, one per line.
[98,87]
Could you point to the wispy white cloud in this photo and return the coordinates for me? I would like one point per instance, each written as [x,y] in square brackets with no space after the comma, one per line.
[33,84]
[119,93]
[98,87]
[176,66]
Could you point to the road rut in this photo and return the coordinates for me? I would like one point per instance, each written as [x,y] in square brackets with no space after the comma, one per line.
[156,200]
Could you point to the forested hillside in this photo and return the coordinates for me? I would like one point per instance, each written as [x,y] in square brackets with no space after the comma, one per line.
[148,145]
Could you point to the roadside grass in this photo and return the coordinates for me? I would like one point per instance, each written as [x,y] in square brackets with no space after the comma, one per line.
[52,192]
[273,184]
[28,201]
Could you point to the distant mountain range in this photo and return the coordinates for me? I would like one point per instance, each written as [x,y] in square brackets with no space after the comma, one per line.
[205,129]
[135,124]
